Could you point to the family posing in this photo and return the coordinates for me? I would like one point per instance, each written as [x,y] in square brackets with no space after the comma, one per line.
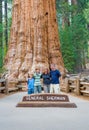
[50,81]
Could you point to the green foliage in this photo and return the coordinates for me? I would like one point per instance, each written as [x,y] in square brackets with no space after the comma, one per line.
[1,28]
[73,23]
[2,70]
[1,57]
[79,39]
[67,47]
[86,13]
[4,27]
[74,33]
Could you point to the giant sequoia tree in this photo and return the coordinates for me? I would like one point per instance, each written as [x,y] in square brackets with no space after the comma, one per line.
[34,37]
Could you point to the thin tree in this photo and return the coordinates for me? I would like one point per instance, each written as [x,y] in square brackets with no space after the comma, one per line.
[1,35]
[6,24]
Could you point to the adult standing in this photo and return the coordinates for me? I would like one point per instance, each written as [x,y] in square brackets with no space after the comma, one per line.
[46,80]
[55,75]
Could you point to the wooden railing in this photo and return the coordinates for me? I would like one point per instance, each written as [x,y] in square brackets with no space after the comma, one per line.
[3,86]
[72,84]
[11,86]
[75,85]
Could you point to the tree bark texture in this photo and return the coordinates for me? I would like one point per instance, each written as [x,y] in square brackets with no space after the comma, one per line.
[34,38]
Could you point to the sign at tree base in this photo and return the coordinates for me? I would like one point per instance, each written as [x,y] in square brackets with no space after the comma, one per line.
[46,100]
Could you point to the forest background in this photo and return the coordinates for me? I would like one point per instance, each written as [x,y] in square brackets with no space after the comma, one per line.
[73,25]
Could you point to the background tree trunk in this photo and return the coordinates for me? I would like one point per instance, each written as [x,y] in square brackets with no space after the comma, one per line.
[74,2]
[6,24]
[1,36]
[34,38]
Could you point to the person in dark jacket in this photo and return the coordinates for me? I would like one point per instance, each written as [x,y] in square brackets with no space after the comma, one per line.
[55,75]
[46,80]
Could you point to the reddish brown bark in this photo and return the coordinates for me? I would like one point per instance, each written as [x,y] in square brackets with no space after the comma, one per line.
[34,38]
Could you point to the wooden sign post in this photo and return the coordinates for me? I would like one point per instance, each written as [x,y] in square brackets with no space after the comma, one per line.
[46,100]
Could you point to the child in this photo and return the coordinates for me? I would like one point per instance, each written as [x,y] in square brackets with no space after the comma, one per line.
[30,83]
[37,83]
[46,81]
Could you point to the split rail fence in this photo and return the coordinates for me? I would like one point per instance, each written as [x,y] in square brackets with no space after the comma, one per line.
[76,85]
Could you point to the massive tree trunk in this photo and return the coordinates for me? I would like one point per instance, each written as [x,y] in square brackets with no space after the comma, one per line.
[34,38]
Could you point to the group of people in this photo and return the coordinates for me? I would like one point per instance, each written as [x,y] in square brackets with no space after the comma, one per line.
[49,80]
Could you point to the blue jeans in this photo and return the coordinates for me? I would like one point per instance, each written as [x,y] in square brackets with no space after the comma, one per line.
[30,91]
[37,89]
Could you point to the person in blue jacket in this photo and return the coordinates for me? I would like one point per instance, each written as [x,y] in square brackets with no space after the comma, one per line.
[55,75]
[30,83]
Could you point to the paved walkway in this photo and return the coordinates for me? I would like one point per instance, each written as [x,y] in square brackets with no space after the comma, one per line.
[12,118]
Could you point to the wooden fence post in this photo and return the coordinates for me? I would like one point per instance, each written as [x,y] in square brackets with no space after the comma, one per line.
[6,84]
[77,86]
[67,85]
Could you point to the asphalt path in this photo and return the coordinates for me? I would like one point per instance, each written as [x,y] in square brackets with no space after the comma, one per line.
[13,118]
